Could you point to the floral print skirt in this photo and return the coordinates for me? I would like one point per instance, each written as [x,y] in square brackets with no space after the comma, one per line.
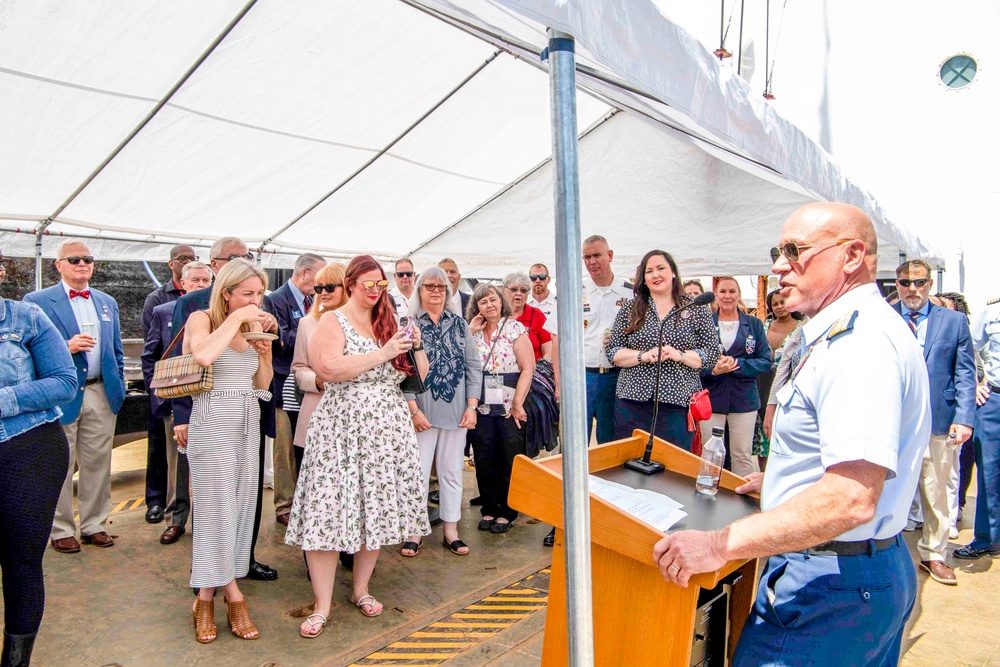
[360,485]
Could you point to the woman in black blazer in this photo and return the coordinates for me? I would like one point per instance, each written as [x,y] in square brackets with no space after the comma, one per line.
[732,381]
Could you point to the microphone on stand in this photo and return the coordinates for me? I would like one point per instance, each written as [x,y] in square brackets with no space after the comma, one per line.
[644,465]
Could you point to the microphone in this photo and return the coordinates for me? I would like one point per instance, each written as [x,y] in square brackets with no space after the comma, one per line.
[644,464]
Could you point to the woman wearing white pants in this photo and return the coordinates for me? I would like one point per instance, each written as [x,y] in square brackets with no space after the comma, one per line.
[443,414]
[732,382]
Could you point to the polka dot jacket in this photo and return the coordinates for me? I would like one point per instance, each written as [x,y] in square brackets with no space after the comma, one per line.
[691,330]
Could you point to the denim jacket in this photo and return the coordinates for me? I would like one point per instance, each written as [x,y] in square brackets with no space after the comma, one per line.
[36,370]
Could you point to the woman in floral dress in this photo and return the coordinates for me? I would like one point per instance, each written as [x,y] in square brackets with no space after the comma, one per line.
[360,487]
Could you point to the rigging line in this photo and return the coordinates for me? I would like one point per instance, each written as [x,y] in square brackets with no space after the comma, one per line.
[777,41]
[767,43]
[152,113]
[739,55]
[722,24]
[729,23]
[385,149]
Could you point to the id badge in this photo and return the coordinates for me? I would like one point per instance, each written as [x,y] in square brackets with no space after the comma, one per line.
[493,390]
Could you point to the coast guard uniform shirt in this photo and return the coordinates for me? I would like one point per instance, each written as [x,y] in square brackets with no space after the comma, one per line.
[600,308]
[861,394]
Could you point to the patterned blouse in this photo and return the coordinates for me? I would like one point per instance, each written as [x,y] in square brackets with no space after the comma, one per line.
[502,359]
[694,330]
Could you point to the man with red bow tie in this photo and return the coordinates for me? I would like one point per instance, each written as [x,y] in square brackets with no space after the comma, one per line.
[88,319]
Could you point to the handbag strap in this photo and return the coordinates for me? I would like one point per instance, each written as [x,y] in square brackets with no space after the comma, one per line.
[173,343]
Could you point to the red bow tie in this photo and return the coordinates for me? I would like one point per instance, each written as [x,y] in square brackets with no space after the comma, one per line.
[84,293]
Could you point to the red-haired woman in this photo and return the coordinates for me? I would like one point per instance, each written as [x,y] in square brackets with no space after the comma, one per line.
[361,485]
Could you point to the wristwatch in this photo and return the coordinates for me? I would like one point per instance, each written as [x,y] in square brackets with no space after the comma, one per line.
[418,348]
[640,357]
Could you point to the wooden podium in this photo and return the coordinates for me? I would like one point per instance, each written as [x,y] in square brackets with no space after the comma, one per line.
[639,618]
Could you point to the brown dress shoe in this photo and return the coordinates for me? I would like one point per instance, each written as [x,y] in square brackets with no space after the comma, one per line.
[67,545]
[282,519]
[101,539]
[939,572]
[172,534]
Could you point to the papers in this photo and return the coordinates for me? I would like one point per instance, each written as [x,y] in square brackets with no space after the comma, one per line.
[654,508]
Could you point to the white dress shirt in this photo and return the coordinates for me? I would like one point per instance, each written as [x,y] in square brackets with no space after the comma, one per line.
[548,308]
[600,308]
[89,323]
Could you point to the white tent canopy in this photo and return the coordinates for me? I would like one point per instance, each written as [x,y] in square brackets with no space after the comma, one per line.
[390,127]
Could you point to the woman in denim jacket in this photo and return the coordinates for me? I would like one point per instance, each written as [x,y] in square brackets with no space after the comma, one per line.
[36,376]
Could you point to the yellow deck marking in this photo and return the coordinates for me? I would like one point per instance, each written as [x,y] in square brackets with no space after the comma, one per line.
[411,656]
[542,599]
[497,616]
[448,645]
[470,625]
[450,635]
[504,607]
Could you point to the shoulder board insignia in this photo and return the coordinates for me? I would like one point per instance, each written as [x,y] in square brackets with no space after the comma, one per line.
[630,286]
[990,303]
[842,326]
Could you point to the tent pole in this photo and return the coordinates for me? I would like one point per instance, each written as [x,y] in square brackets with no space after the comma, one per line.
[38,256]
[573,382]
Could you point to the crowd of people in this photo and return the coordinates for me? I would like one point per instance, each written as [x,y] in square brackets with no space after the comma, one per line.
[369,392]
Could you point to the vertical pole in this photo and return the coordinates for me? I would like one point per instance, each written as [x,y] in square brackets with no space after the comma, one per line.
[573,382]
[762,297]
[940,280]
[902,256]
[38,259]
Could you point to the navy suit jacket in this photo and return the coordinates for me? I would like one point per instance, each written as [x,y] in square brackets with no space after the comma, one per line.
[183,307]
[951,368]
[157,340]
[55,302]
[737,391]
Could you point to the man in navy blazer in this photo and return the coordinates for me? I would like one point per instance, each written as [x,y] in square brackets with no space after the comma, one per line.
[175,497]
[289,303]
[88,320]
[946,341]
[222,252]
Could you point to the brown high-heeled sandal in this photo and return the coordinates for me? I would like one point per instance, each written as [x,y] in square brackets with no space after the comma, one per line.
[239,619]
[203,616]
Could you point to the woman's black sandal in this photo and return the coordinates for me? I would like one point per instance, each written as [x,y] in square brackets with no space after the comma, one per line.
[455,545]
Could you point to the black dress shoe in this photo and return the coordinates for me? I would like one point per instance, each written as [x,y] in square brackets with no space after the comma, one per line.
[550,539]
[347,561]
[17,650]
[500,527]
[968,553]
[154,514]
[261,572]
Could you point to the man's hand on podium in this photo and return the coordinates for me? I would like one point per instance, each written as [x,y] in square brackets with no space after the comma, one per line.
[755,480]
[689,552]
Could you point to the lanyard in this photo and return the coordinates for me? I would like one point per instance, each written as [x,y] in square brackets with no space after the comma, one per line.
[494,345]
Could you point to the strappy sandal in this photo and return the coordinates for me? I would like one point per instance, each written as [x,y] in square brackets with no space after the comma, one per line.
[410,546]
[361,604]
[455,545]
[312,624]
[203,616]
[239,619]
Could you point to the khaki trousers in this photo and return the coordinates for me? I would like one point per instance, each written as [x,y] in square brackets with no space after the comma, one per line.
[91,438]
[284,464]
[933,490]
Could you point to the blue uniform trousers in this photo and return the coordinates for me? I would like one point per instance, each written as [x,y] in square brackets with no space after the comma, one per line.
[601,405]
[830,610]
[987,446]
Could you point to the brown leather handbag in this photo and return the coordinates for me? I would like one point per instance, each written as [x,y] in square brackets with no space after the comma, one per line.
[174,377]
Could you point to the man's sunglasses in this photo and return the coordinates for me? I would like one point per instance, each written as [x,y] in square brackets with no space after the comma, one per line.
[792,251]
[371,285]
[185,258]
[248,257]
[74,260]
[435,288]
[919,282]
[538,276]
[404,274]
[331,288]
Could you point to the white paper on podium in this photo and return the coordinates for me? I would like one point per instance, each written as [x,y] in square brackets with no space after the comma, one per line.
[656,509]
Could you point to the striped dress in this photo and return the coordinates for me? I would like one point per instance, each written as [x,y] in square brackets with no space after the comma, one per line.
[222,451]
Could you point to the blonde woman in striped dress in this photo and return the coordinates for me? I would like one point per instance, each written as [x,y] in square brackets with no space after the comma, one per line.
[223,441]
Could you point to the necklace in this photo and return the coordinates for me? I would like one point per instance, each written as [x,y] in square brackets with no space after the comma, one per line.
[728,326]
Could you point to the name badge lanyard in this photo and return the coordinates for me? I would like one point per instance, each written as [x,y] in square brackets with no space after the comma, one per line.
[493,382]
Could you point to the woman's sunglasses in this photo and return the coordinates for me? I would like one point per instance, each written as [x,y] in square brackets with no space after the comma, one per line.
[372,285]
[331,288]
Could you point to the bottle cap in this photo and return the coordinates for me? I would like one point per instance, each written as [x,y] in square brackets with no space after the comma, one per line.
[718,432]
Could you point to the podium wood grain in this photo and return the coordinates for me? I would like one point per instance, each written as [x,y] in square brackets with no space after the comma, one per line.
[639,618]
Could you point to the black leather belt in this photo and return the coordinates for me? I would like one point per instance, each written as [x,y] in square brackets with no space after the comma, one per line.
[993,387]
[860,548]
[91,381]
[602,370]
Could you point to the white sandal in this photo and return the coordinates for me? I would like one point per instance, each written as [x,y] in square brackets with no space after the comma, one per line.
[312,624]
[360,604]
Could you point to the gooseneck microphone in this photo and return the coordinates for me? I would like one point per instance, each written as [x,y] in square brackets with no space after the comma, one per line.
[645,465]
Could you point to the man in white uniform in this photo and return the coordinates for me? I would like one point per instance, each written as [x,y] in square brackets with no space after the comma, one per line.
[403,291]
[849,436]
[603,296]
[543,299]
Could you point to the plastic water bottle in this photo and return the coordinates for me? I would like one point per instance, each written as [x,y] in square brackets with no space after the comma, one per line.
[713,455]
